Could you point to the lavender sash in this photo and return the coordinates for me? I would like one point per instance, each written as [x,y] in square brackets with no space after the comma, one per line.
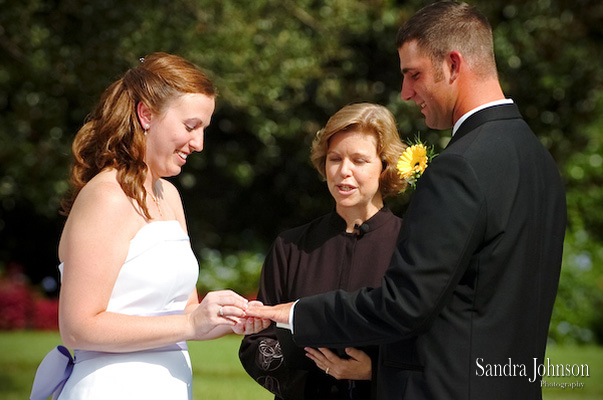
[55,369]
[53,372]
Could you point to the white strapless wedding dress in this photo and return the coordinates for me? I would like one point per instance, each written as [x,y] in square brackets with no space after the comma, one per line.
[158,277]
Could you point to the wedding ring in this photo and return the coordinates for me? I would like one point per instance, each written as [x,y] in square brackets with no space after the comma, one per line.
[327,370]
[221,312]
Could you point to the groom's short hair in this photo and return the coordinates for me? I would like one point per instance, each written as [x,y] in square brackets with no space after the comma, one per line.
[446,26]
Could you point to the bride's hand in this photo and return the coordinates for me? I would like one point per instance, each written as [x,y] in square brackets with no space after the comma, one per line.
[223,307]
[249,325]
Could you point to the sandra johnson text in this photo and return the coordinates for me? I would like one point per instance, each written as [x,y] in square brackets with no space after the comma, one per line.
[537,370]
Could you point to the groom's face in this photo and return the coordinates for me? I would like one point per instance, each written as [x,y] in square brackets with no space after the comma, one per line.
[427,86]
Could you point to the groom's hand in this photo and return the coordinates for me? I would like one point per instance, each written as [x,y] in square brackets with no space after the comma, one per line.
[249,325]
[278,313]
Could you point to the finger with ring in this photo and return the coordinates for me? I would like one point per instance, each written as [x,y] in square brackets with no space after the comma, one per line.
[221,311]
[327,370]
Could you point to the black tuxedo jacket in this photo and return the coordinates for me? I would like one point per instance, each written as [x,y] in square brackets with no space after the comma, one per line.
[474,276]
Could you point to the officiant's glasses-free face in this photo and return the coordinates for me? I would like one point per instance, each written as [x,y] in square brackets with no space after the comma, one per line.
[353,169]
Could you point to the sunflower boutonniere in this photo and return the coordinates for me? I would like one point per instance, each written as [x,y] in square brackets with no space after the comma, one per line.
[413,162]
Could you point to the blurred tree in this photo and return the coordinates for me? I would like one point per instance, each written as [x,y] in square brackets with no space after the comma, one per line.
[282,68]
[550,56]
[56,57]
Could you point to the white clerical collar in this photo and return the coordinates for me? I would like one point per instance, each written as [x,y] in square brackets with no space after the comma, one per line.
[476,109]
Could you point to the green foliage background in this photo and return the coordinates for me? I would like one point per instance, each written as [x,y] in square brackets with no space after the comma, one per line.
[282,67]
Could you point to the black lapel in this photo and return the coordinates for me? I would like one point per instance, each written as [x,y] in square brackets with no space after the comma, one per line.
[504,111]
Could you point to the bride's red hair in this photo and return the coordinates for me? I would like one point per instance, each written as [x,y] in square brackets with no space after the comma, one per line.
[112,136]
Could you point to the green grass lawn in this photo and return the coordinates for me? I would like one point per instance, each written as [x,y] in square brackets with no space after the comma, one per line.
[218,374]
[593,385]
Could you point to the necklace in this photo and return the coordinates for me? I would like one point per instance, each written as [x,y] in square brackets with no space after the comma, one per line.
[156,200]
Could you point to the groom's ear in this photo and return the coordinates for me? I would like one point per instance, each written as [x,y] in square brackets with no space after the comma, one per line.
[454,62]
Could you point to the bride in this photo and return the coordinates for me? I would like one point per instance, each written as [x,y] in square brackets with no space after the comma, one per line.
[128,300]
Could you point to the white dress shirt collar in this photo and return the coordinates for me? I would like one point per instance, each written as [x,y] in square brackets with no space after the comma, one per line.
[476,109]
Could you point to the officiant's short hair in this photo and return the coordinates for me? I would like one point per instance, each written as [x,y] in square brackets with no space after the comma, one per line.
[370,119]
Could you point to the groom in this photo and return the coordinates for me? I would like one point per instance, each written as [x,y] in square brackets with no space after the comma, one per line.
[475,274]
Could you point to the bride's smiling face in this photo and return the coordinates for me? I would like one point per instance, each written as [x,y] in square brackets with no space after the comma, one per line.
[177,132]
[353,169]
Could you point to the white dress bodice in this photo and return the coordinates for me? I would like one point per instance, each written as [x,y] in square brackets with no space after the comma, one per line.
[158,276]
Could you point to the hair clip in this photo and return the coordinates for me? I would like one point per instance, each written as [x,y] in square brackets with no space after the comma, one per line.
[141,59]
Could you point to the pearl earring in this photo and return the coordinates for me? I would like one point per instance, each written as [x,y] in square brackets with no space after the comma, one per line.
[146,129]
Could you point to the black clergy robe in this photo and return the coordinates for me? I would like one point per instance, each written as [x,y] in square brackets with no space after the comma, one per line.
[311,259]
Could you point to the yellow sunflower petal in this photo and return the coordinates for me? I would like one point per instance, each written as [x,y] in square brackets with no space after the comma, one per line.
[412,161]
[404,163]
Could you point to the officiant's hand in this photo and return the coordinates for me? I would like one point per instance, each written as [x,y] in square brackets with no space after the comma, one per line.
[278,313]
[249,325]
[357,367]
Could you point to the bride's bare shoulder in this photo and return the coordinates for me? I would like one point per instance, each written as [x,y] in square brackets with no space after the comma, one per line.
[103,203]
[101,211]
[103,191]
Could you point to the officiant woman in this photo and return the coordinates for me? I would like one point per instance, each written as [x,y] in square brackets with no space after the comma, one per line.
[348,248]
